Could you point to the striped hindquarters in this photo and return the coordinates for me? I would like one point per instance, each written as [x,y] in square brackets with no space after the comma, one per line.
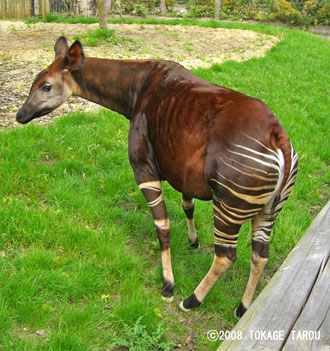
[246,179]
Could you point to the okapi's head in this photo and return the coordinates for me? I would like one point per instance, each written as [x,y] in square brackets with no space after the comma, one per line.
[53,85]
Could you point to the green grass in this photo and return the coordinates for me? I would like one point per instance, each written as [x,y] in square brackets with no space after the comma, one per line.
[102,35]
[54,18]
[78,251]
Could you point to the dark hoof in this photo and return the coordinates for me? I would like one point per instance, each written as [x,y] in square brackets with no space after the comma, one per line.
[190,302]
[195,245]
[167,293]
[240,310]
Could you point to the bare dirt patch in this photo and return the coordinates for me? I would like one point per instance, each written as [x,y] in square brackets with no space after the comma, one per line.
[26,49]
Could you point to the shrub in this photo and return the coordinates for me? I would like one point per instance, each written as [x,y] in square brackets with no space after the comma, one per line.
[137,338]
[318,11]
[137,7]
[286,13]
[247,9]
[170,3]
[140,10]
[323,14]
[297,12]
[197,11]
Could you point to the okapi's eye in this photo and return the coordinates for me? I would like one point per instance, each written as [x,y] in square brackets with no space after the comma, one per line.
[46,87]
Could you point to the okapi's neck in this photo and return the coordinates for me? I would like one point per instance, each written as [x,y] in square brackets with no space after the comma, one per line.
[113,84]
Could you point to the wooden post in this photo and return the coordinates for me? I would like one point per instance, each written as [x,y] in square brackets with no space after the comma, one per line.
[108,6]
[41,8]
[25,5]
[9,8]
[163,10]
[6,9]
[35,8]
[44,7]
[217,7]
[102,15]
[84,7]
[27,8]
[47,7]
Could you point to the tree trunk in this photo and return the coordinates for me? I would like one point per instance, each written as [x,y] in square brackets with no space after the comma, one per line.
[102,14]
[163,7]
[217,7]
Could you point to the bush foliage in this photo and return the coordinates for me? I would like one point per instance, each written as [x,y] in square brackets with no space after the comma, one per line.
[296,12]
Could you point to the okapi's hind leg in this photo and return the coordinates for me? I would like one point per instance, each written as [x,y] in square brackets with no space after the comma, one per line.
[153,194]
[188,208]
[259,258]
[262,225]
[225,238]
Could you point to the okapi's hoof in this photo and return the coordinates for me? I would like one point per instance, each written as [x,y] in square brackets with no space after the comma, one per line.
[189,303]
[240,310]
[167,293]
[182,308]
[195,244]
[168,299]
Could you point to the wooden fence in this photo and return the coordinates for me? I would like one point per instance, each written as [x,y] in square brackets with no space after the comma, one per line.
[27,8]
[23,8]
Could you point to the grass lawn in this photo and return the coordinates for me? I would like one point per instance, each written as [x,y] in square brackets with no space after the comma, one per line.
[79,257]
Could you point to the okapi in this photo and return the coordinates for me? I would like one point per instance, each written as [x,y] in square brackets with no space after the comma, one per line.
[208,142]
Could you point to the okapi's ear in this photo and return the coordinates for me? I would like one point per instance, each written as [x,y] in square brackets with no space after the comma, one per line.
[61,47]
[75,57]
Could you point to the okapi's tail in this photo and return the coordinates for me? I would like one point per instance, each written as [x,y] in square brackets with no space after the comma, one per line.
[281,140]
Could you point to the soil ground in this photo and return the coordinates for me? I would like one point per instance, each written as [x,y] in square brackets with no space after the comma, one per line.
[26,49]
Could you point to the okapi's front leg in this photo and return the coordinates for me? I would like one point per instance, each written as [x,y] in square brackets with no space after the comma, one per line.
[143,162]
[188,208]
[153,194]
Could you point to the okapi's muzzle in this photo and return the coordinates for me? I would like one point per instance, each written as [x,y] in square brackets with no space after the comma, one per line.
[25,115]
[21,117]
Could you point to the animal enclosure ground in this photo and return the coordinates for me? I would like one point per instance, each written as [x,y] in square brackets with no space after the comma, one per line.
[79,257]
[26,49]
